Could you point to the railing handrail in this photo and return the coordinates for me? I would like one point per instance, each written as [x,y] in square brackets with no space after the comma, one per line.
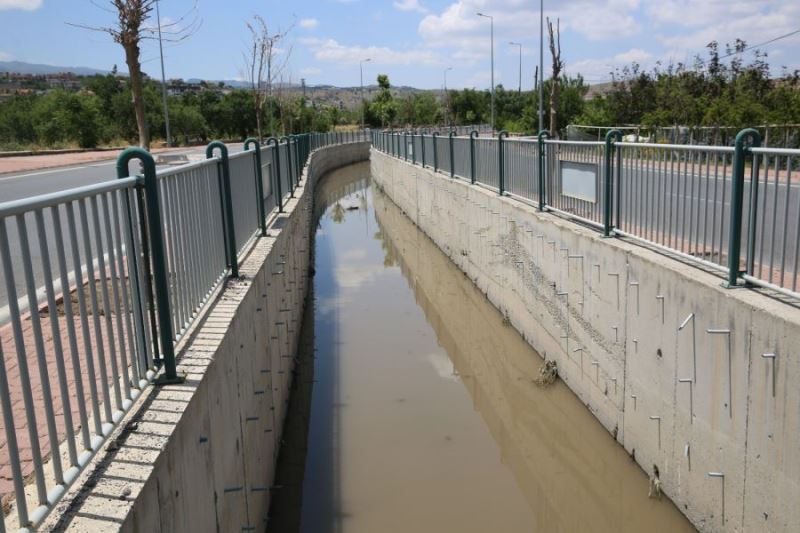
[43,201]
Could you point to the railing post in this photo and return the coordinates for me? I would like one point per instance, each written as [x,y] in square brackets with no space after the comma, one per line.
[543,135]
[405,145]
[608,190]
[435,154]
[472,136]
[452,158]
[414,151]
[276,158]
[501,164]
[288,166]
[262,216]
[158,256]
[741,150]
[227,205]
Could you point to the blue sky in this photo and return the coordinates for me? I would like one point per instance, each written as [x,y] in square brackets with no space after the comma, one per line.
[413,41]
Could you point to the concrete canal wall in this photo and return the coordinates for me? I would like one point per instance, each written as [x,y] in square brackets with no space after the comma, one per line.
[200,456]
[701,404]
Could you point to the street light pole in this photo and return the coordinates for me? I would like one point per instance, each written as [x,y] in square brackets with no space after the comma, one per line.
[491,20]
[361,69]
[163,77]
[520,64]
[541,65]
[446,98]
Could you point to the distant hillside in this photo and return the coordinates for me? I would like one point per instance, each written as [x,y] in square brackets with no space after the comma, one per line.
[34,68]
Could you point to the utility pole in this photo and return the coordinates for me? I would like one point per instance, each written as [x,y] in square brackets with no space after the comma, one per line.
[361,69]
[541,65]
[520,64]
[163,76]
[446,99]
[491,20]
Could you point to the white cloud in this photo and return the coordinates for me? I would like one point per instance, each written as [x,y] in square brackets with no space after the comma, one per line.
[308,24]
[27,5]
[4,56]
[410,5]
[634,55]
[332,51]
[311,71]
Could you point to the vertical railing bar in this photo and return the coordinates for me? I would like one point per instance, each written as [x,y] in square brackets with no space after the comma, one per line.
[126,307]
[69,321]
[182,279]
[83,311]
[22,355]
[774,217]
[103,274]
[786,211]
[55,330]
[112,257]
[11,436]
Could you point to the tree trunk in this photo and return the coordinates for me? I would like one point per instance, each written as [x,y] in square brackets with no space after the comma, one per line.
[554,97]
[135,72]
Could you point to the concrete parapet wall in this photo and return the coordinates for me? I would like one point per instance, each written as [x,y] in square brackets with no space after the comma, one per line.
[609,313]
[200,456]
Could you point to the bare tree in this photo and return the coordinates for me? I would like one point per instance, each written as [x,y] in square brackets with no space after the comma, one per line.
[558,65]
[263,67]
[129,31]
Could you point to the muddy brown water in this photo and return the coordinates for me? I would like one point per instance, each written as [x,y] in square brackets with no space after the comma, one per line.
[414,407]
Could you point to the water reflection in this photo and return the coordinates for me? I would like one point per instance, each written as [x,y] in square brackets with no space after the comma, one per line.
[423,415]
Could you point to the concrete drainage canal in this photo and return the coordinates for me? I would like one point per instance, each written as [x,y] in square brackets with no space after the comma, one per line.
[416,407]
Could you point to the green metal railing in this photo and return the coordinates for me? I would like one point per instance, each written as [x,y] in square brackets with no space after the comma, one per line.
[142,256]
[732,209]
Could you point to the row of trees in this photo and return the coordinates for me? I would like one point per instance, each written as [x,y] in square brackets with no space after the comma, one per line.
[103,115]
[721,90]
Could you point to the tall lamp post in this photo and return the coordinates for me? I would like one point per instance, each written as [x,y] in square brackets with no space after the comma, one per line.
[491,20]
[541,65]
[446,98]
[520,64]
[163,77]
[361,69]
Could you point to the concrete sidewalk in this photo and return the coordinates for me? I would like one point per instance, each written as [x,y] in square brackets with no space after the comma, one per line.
[40,162]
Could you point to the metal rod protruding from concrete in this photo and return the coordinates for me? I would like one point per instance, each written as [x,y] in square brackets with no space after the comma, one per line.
[694,343]
[636,284]
[633,397]
[720,475]
[730,370]
[658,419]
[691,398]
[661,297]
[596,365]
[771,356]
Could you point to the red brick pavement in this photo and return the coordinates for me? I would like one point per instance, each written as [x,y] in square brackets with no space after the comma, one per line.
[16,389]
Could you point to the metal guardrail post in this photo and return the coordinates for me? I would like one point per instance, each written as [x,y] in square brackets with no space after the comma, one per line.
[414,151]
[544,134]
[608,190]
[158,256]
[472,136]
[452,158]
[435,155]
[501,164]
[262,217]
[227,204]
[276,158]
[741,150]
[288,165]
